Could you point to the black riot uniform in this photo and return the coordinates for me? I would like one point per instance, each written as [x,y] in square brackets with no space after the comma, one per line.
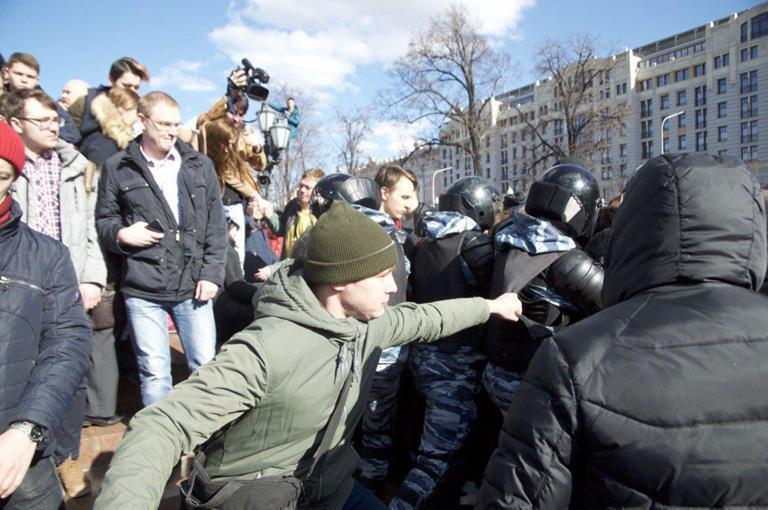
[455,259]
[538,256]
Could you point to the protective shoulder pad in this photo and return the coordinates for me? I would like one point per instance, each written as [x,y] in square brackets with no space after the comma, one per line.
[579,279]
[478,253]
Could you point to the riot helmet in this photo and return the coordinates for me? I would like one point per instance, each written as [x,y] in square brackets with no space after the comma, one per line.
[473,197]
[567,195]
[354,190]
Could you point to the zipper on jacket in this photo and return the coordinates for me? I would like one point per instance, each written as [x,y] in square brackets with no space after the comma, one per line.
[5,281]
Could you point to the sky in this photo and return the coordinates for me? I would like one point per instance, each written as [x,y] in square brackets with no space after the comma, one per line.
[335,51]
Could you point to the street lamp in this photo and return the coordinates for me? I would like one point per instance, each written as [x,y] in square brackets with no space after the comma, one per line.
[434,176]
[662,127]
[275,129]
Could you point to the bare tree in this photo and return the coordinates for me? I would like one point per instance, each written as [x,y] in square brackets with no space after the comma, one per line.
[304,152]
[447,76]
[354,125]
[580,120]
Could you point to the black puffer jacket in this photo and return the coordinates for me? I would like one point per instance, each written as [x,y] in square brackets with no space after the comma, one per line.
[195,250]
[658,401]
[45,336]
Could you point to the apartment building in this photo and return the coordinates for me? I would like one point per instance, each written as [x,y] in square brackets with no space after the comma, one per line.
[702,90]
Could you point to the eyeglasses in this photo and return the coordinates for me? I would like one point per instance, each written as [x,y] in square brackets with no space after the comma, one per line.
[164,126]
[45,122]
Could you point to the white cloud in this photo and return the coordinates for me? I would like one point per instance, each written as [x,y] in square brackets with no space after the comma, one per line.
[389,138]
[318,46]
[182,75]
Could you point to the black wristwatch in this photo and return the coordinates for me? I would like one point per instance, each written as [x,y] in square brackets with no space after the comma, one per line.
[32,430]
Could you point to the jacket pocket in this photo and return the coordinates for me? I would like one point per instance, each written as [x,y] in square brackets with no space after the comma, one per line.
[144,269]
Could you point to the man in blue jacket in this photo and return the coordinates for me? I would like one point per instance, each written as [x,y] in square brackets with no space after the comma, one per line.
[45,340]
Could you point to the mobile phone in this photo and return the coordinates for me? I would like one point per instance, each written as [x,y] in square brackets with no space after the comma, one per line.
[155,226]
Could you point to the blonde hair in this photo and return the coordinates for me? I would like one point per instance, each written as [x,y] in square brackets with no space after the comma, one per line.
[124,98]
[148,102]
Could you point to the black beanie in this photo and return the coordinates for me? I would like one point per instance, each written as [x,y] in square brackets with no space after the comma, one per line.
[346,246]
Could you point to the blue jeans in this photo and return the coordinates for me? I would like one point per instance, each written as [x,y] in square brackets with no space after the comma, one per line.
[40,490]
[362,499]
[197,331]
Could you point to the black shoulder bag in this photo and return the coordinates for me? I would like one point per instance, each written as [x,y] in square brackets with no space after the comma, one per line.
[199,492]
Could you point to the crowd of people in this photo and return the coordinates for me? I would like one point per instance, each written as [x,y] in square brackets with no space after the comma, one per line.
[354,348]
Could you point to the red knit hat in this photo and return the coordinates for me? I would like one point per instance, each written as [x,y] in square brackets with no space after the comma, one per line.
[11,147]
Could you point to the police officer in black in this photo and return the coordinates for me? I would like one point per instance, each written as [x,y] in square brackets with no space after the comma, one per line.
[455,259]
[538,253]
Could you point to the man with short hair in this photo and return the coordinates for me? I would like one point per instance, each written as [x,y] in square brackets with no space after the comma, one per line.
[22,72]
[72,91]
[44,343]
[271,390]
[296,217]
[159,208]
[126,73]
[52,195]
[398,191]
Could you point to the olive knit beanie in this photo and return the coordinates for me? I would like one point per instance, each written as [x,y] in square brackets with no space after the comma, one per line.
[346,246]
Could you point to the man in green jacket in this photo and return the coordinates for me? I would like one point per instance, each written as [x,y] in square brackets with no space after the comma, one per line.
[258,408]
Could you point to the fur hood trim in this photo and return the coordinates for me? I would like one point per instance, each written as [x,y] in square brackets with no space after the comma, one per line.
[108,117]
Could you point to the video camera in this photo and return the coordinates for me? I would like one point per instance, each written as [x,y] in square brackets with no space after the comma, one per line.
[256,77]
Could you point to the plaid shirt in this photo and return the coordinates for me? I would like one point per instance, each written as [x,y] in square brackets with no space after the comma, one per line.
[44,173]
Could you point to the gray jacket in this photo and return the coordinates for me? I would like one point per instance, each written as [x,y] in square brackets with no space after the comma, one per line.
[78,230]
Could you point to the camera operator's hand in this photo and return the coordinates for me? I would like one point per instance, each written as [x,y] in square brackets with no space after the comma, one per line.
[238,78]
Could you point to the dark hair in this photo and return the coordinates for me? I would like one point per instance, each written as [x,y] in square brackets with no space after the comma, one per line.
[13,102]
[24,58]
[128,65]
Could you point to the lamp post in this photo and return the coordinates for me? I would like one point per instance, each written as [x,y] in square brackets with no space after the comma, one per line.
[662,127]
[434,178]
[276,131]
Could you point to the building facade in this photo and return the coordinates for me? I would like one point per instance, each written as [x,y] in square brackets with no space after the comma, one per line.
[702,90]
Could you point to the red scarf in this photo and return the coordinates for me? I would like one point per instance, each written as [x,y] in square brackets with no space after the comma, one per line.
[5,209]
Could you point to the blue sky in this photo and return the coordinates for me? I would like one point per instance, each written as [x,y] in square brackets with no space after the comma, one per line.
[335,50]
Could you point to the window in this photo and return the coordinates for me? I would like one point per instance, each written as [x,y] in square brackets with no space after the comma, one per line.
[759,26]
[681,122]
[744,32]
[748,82]
[700,93]
[722,134]
[682,74]
[722,109]
[722,85]
[722,152]
[665,145]
[623,169]
[680,97]
[646,108]
[682,143]
[644,85]
[622,150]
[647,149]
[621,88]
[717,62]
[646,129]
[744,55]
[749,132]
[748,107]
[701,118]
[487,157]
[701,141]
[664,102]
[700,69]
[753,53]
[745,153]
[726,59]
[662,80]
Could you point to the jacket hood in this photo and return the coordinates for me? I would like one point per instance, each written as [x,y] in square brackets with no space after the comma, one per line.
[288,296]
[687,219]
[112,126]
